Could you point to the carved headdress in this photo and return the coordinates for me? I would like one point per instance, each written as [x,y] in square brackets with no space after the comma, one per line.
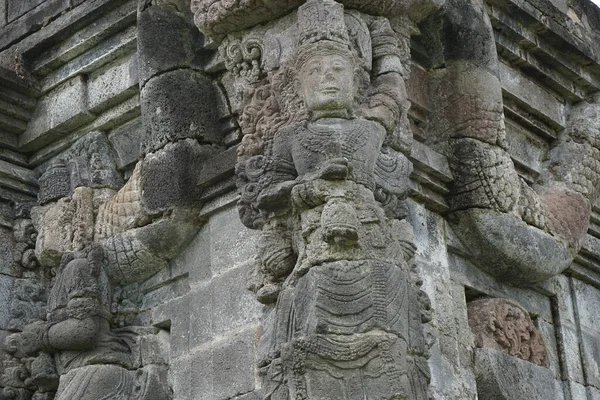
[322,30]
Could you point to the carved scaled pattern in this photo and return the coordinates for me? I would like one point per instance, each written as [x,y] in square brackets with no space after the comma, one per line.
[484,177]
[124,211]
[469,116]
[126,255]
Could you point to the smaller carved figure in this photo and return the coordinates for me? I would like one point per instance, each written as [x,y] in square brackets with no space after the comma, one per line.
[77,342]
[503,325]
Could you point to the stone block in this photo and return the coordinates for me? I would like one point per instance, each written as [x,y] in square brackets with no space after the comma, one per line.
[577,391]
[2,13]
[428,230]
[196,257]
[590,354]
[504,377]
[535,303]
[126,142]
[169,177]
[178,105]
[166,41]
[164,292]
[175,314]
[61,110]
[6,295]
[572,359]
[201,310]
[525,149]
[232,243]
[21,27]
[222,305]
[224,370]
[451,318]
[113,84]
[17,8]
[549,336]
[587,299]
[524,89]
[155,348]
[234,305]
[562,288]
[6,251]
[593,393]
[449,381]
[109,49]
[181,377]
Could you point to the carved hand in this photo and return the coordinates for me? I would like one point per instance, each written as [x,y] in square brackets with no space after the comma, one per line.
[334,169]
[276,196]
[28,342]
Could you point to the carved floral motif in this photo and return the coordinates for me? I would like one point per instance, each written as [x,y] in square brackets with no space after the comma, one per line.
[503,325]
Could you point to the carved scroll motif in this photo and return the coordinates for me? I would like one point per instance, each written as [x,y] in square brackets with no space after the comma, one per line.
[503,325]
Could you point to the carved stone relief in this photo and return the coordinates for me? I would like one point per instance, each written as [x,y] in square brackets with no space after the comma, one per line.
[517,231]
[503,325]
[77,336]
[511,359]
[323,176]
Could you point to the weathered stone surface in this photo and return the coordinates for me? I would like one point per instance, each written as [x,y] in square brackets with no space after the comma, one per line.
[221,305]
[17,8]
[228,251]
[126,142]
[167,40]
[6,251]
[6,294]
[179,105]
[170,177]
[89,162]
[113,84]
[364,275]
[591,362]
[503,377]
[232,354]
[24,26]
[506,247]
[60,111]
[64,226]
[2,13]
[322,176]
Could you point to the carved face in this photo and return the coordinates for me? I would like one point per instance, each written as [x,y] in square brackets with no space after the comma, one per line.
[327,83]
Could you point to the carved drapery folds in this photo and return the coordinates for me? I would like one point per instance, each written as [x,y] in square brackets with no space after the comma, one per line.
[322,105]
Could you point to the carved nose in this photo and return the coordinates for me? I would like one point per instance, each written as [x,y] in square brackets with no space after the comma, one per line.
[328,74]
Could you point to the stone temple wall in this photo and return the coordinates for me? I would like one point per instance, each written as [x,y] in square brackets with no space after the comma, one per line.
[170,230]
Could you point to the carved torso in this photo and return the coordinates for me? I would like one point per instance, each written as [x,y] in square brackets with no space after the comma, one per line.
[308,146]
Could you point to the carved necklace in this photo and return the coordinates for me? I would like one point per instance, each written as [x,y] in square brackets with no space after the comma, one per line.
[319,138]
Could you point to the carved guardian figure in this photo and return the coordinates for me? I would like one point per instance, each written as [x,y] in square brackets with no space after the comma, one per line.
[328,192]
